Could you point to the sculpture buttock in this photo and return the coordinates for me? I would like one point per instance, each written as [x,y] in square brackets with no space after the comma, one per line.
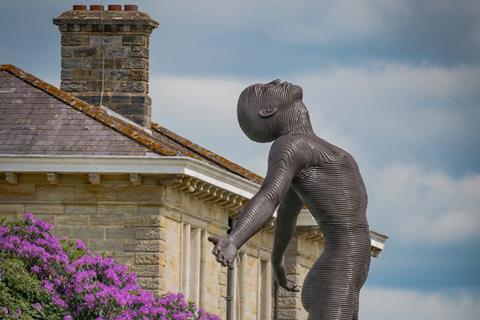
[304,169]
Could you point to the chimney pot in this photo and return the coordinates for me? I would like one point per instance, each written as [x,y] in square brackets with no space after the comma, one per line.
[96,7]
[130,7]
[79,7]
[114,7]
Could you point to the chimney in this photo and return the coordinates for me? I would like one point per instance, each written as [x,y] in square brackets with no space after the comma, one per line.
[108,50]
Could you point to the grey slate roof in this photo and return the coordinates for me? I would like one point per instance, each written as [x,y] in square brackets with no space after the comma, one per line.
[34,122]
[38,118]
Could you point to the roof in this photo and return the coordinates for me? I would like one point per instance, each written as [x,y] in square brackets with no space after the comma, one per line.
[34,122]
[39,118]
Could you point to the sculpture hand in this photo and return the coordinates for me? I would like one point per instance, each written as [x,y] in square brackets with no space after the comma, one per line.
[281,277]
[225,251]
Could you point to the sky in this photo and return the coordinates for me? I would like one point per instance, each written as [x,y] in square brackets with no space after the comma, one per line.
[394,82]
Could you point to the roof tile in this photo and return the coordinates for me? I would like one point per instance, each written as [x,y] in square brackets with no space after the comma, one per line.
[36,117]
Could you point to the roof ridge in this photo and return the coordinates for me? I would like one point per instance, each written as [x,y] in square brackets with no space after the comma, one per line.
[96,113]
[212,156]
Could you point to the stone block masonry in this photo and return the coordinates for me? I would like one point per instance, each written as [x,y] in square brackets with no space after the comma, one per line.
[137,224]
[109,50]
[100,216]
[143,226]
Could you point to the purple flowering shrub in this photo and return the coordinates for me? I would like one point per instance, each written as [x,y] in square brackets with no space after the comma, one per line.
[70,282]
[21,293]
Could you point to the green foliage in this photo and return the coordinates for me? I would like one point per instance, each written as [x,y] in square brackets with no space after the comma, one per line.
[21,294]
[72,249]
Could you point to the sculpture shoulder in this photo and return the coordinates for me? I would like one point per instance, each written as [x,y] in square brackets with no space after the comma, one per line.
[291,148]
[306,148]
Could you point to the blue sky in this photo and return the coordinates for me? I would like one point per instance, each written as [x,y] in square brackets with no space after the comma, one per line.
[394,82]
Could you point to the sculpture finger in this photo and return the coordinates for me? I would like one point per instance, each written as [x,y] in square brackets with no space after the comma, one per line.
[224,262]
[292,286]
[213,239]
[295,288]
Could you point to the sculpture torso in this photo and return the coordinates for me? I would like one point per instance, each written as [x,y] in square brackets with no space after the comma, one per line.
[330,184]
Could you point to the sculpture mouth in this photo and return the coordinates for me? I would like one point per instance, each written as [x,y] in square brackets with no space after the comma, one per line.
[290,86]
[278,82]
[294,89]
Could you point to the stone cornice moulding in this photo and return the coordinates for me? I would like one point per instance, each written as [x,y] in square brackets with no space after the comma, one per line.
[130,164]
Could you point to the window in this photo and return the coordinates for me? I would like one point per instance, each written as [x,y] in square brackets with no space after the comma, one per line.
[191,262]
[264,290]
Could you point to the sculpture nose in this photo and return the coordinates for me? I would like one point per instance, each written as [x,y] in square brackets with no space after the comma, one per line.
[276,81]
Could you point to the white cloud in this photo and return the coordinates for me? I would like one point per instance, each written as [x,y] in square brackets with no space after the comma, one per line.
[410,102]
[333,22]
[204,110]
[204,96]
[416,204]
[302,21]
[339,21]
[379,113]
[398,304]
[382,114]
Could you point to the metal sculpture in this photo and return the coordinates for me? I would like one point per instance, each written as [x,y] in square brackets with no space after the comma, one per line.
[304,169]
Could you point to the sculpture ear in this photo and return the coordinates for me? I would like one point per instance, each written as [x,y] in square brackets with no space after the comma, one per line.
[267,112]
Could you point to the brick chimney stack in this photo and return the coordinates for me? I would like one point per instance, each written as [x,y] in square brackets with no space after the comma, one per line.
[109,46]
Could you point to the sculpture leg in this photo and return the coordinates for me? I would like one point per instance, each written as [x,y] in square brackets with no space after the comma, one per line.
[355,306]
[363,266]
[326,290]
[331,288]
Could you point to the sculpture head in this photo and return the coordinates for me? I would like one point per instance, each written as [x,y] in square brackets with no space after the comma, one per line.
[268,111]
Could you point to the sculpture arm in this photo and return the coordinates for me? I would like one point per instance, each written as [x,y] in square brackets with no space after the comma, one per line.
[285,225]
[284,162]
[254,215]
[286,221]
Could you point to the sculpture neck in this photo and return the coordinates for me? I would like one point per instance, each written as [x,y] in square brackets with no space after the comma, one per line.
[298,120]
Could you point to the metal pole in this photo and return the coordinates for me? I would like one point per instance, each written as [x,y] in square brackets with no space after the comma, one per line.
[275,300]
[230,282]
[230,288]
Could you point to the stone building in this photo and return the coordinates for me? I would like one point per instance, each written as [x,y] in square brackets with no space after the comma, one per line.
[88,158]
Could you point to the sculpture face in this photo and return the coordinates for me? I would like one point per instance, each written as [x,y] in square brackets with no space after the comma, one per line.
[263,108]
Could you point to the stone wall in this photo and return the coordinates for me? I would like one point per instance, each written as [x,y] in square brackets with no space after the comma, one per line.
[136,224]
[144,225]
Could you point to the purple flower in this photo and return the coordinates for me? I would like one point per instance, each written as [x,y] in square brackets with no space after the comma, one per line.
[47,285]
[59,301]
[81,245]
[36,269]
[89,299]
[88,286]
[4,311]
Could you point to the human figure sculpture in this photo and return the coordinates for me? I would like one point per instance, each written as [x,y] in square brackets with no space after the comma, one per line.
[304,169]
